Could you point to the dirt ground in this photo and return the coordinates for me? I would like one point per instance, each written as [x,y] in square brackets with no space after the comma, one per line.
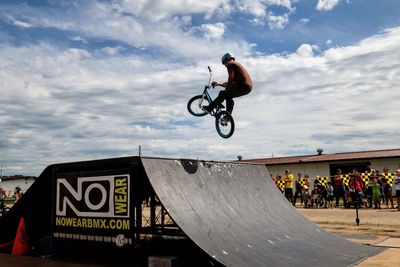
[378,227]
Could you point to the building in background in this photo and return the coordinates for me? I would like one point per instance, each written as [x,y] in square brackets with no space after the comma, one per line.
[327,164]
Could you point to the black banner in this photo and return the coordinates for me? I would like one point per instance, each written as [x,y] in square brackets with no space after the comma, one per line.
[93,208]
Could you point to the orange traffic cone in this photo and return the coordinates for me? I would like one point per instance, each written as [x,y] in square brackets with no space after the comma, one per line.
[21,243]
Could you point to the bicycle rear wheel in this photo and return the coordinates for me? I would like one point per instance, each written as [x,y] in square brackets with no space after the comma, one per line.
[224,124]
[195,105]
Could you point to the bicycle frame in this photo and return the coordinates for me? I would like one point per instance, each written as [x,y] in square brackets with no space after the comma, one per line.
[206,94]
[224,122]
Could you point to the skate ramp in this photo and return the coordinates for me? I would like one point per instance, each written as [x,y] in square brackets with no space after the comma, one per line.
[235,213]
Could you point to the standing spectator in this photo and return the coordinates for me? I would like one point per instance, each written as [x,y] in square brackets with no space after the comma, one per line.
[372,181]
[368,189]
[306,195]
[299,189]
[339,188]
[379,182]
[18,193]
[359,180]
[2,193]
[387,189]
[347,194]
[356,188]
[288,178]
[396,188]
[375,190]
[329,198]
[274,179]
[307,180]
[381,187]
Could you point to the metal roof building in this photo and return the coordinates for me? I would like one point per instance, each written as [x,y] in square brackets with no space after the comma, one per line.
[327,164]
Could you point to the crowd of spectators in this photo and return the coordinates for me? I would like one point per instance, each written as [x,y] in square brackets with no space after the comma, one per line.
[18,193]
[376,190]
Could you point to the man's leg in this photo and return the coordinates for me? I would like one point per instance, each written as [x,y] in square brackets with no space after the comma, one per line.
[229,104]
[234,90]
[291,195]
[295,197]
[342,194]
[217,101]
[337,189]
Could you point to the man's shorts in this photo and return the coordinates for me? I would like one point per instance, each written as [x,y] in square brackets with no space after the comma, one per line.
[236,90]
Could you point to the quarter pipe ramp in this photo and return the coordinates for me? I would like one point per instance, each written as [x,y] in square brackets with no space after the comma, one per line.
[235,213]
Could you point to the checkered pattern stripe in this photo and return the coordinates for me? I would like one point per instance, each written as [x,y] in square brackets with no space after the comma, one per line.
[389,177]
[301,181]
[281,185]
[323,180]
[346,179]
[365,177]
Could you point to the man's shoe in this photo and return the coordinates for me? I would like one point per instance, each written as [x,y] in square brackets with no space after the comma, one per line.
[207,109]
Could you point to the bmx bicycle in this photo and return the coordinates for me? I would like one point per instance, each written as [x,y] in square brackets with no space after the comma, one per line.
[224,123]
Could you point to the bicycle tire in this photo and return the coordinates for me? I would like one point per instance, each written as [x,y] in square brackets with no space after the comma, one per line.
[194,106]
[224,124]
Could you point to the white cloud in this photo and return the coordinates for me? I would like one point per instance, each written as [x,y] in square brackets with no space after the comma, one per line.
[304,21]
[256,8]
[326,5]
[277,22]
[79,39]
[19,23]
[172,36]
[111,51]
[259,9]
[329,42]
[305,50]
[159,9]
[213,31]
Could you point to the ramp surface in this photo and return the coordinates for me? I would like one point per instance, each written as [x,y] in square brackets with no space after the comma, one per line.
[235,213]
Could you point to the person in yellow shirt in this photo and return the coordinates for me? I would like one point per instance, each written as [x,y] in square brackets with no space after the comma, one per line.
[288,178]
[299,189]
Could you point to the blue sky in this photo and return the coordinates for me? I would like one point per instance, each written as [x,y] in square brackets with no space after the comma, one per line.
[96,79]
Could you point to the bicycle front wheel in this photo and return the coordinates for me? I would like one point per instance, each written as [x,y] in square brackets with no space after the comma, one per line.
[195,105]
[224,124]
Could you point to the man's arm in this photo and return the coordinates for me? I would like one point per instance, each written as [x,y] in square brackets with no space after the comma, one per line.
[231,75]
[214,83]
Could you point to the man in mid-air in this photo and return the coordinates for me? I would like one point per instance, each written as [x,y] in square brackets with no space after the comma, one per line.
[239,83]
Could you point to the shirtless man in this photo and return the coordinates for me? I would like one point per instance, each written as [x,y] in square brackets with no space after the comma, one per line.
[239,83]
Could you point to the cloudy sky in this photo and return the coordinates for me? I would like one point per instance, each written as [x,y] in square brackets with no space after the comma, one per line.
[92,79]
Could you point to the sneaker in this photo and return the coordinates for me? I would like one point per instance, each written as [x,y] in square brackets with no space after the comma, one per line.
[207,109]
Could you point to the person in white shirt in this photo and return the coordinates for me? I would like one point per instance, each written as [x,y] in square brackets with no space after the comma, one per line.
[396,188]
